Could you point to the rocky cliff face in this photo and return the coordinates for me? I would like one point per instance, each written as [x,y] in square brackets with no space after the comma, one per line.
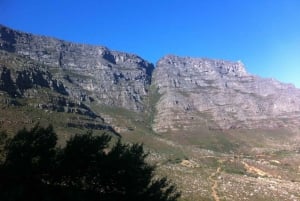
[193,92]
[112,78]
[220,94]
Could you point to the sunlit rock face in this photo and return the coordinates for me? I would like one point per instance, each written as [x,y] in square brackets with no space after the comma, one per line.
[221,95]
[110,77]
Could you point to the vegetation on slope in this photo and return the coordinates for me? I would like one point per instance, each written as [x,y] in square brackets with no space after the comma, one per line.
[33,168]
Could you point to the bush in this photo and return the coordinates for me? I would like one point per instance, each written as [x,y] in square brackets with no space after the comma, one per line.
[85,169]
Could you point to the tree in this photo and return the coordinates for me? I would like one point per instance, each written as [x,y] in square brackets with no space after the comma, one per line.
[87,168]
[29,159]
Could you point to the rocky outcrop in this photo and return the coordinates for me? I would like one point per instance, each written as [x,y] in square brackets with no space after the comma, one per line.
[221,95]
[114,78]
[15,83]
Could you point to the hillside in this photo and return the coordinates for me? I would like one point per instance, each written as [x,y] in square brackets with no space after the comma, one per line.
[219,132]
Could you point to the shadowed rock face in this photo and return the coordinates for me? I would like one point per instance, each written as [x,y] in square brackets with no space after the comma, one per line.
[15,83]
[112,78]
[194,92]
[220,94]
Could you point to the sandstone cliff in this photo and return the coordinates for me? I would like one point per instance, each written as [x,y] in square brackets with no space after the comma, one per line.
[220,94]
[187,93]
[112,78]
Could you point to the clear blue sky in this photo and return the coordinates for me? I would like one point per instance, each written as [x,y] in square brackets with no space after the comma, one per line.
[264,34]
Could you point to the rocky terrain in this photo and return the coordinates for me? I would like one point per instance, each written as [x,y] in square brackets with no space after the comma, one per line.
[212,93]
[219,132]
[113,78]
[220,94]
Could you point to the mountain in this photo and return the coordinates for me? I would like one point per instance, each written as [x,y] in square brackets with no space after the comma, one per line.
[213,93]
[114,78]
[76,75]
[216,130]
[222,95]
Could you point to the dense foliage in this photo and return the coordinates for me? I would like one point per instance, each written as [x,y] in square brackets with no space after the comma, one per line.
[33,168]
